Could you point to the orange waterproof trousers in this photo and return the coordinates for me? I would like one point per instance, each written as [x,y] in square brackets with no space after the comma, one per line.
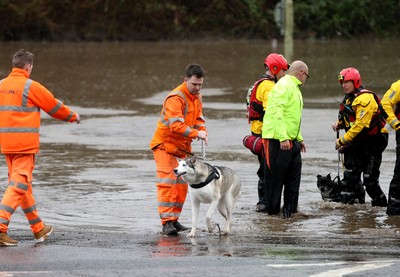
[171,191]
[19,192]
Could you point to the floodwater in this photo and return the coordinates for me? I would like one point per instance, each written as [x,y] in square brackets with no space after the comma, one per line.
[100,174]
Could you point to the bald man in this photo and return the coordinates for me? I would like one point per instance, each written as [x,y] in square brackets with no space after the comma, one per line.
[283,142]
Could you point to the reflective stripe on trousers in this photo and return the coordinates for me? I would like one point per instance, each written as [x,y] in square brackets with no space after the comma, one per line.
[19,192]
[171,191]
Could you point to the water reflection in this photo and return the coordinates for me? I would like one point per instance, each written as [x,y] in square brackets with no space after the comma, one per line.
[171,246]
[200,246]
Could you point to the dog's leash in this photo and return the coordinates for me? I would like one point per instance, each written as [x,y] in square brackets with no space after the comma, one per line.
[203,150]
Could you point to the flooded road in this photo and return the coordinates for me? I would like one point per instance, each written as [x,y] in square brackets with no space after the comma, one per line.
[99,176]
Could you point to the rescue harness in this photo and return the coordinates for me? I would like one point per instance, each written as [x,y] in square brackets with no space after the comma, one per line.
[348,116]
[397,110]
[255,109]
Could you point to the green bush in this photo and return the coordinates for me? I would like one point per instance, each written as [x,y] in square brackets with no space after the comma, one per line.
[178,19]
[347,18]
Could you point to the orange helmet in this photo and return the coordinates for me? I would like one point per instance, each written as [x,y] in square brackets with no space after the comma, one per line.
[276,62]
[350,74]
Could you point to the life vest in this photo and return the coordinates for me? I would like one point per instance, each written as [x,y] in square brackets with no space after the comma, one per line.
[255,109]
[348,116]
[179,143]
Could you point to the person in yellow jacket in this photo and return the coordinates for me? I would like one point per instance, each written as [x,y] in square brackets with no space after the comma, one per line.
[181,120]
[283,141]
[363,142]
[21,100]
[390,107]
[276,66]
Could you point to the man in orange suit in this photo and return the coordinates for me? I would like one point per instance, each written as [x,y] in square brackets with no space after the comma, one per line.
[21,100]
[181,120]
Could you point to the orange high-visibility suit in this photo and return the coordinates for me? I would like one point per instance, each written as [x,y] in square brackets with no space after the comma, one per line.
[180,120]
[21,100]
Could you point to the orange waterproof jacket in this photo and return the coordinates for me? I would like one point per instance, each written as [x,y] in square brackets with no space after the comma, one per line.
[21,100]
[180,120]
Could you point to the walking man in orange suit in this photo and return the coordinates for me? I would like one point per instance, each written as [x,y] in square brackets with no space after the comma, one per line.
[21,100]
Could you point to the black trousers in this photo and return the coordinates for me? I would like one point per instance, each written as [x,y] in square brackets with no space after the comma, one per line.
[260,174]
[394,188]
[282,171]
[365,157]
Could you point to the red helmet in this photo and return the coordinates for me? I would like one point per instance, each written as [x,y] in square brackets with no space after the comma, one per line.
[276,62]
[350,74]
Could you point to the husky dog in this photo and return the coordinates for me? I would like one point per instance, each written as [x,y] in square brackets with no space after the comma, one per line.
[217,185]
[331,190]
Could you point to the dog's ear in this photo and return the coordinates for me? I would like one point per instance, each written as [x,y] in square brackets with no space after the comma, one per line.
[190,161]
[319,176]
[329,176]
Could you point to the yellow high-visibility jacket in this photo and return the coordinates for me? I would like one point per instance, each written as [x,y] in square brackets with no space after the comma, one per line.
[282,119]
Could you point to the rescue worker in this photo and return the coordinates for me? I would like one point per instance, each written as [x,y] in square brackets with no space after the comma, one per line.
[21,100]
[276,66]
[181,120]
[390,108]
[364,140]
[283,141]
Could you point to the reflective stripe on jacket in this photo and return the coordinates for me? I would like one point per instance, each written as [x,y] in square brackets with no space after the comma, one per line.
[282,119]
[21,100]
[180,120]
[390,105]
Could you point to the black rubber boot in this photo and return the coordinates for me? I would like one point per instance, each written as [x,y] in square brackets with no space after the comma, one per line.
[168,229]
[179,227]
[379,201]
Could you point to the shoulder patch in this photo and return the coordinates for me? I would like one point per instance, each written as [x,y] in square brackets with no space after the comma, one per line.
[362,113]
[392,94]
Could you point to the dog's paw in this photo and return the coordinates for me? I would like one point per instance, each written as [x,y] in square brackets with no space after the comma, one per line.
[191,235]
[224,233]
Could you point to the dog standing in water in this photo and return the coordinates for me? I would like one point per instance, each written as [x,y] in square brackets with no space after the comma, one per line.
[331,192]
[330,189]
[217,185]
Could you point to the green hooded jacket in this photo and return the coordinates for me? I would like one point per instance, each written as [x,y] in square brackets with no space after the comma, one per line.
[282,119]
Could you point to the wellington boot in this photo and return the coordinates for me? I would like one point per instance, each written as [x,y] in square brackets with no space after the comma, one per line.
[379,201]
[179,227]
[168,229]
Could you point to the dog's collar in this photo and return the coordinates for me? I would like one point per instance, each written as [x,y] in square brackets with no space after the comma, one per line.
[213,175]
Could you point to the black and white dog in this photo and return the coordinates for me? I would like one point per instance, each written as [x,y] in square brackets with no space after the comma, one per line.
[217,185]
[331,190]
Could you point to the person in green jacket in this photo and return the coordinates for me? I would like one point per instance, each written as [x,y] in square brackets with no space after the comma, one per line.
[283,142]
